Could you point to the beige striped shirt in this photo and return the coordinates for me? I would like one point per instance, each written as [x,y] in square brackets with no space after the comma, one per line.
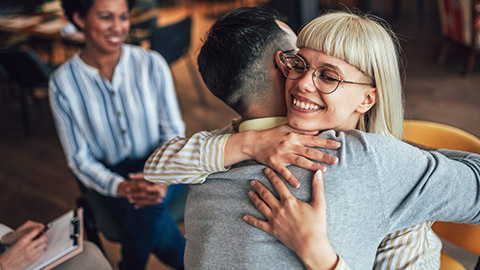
[190,161]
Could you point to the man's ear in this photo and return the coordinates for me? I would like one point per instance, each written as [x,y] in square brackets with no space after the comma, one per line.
[369,99]
[278,63]
[78,20]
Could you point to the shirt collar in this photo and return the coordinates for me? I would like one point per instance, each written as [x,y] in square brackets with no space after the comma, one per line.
[262,123]
[90,69]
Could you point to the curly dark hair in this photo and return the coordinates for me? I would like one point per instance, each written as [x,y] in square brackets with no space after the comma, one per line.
[82,7]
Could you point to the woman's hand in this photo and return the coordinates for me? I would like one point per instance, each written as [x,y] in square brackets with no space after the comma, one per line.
[25,228]
[300,226]
[25,251]
[278,147]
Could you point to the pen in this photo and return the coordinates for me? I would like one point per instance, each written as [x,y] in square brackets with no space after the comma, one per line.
[44,230]
[3,247]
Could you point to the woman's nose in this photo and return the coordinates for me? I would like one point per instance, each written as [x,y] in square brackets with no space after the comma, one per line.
[305,83]
[117,24]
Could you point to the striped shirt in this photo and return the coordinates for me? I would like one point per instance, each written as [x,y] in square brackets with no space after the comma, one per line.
[191,161]
[101,122]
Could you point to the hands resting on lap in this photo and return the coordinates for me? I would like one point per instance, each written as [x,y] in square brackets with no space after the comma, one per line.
[140,192]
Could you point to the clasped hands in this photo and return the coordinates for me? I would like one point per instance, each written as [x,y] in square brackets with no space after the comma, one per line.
[141,193]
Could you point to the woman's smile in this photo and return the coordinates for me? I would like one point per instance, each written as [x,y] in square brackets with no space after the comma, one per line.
[305,105]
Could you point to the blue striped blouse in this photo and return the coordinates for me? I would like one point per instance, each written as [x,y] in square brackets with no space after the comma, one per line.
[101,121]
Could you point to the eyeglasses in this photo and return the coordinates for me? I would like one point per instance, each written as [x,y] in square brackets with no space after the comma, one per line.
[325,78]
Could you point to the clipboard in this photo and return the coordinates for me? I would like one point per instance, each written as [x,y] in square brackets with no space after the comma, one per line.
[64,240]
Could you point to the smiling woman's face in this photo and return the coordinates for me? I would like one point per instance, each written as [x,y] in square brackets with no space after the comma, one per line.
[308,109]
[106,25]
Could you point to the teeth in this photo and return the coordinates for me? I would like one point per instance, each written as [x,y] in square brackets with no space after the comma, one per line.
[303,105]
[114,39]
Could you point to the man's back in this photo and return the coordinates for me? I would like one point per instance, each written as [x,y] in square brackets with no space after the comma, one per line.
[217,238]
[378,187]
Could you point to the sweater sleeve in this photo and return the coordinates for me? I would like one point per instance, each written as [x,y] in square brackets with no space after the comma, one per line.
[188,161]
[439,185]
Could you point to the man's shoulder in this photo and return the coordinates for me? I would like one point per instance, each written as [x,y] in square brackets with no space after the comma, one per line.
[354,135]
[357,140]
[242,170]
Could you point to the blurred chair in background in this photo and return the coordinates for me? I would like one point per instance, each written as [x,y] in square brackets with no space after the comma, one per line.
[26,71]
[173,42]
[142,30]
[438,135]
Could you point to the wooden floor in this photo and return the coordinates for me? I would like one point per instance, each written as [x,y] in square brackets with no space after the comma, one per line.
[36,183]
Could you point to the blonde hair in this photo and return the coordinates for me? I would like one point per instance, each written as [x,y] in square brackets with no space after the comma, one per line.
[367,43]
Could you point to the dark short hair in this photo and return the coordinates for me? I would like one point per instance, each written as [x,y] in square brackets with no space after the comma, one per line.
[234,59]
[71,7]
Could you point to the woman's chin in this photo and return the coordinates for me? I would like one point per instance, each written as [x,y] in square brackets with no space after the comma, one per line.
[302,125]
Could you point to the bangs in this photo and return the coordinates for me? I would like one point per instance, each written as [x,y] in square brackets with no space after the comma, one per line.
[346,37]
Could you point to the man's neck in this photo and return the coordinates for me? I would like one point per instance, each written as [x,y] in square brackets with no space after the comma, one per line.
[262,111]
[261,123]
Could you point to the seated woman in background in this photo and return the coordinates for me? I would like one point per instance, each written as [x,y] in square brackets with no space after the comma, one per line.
[110,115]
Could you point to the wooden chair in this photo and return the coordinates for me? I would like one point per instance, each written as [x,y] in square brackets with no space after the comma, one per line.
[460,22]
[448,137]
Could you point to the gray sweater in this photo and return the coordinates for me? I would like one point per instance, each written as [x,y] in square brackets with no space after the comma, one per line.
[380,185]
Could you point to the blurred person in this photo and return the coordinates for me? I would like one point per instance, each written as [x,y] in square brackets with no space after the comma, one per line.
[111,113]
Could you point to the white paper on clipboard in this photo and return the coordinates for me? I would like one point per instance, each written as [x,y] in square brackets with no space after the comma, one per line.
[61,246]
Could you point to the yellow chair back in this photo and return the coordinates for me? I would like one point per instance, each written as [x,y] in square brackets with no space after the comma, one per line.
[448,137]
[440,136]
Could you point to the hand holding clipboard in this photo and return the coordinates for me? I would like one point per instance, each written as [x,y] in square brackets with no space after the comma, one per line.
[23,246]
[64,240]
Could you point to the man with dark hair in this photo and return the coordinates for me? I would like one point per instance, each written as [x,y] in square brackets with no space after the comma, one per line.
[249,39]
[237,64]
